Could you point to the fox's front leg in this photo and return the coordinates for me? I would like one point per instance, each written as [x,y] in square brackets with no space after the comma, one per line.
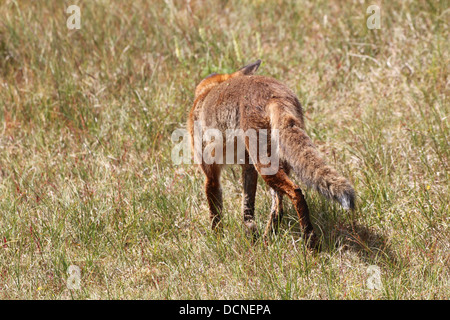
[250,180]
[213,194]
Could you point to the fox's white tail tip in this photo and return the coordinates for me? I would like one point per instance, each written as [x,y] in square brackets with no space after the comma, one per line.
[347,201]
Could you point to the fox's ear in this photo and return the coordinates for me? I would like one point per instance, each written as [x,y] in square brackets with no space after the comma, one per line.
[251,68]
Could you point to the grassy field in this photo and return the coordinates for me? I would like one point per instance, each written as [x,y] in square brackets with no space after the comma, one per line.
[86,176]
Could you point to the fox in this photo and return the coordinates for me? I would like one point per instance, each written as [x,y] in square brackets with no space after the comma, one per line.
[246,101]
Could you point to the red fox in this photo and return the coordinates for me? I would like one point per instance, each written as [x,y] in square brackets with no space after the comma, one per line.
[244,101]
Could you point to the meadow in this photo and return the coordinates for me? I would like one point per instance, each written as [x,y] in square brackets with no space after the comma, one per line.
[87,179]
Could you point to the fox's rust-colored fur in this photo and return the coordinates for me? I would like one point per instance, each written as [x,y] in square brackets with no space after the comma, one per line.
[245,101]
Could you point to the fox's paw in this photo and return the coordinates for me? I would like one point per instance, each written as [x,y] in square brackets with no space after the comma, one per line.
[216,225]
[312,241]
[251,229]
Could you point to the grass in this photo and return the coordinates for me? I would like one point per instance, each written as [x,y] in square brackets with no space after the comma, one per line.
[86,176]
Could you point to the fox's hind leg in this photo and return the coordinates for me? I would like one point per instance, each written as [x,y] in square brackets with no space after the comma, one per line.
[250,181]
[213,193]
[280,182]
[276,213]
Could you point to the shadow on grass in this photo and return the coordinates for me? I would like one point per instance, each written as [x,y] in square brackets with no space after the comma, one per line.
[337,233]
[371,246]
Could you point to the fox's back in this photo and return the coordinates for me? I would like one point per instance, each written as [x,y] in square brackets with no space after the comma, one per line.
[241,102]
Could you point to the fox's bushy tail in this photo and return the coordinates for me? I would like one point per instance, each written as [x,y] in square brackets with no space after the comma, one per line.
[297,149]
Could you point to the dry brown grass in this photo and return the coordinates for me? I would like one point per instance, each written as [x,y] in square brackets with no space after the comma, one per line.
[86,177]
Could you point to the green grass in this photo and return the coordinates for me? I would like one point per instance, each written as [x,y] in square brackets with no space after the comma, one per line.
[86,176]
